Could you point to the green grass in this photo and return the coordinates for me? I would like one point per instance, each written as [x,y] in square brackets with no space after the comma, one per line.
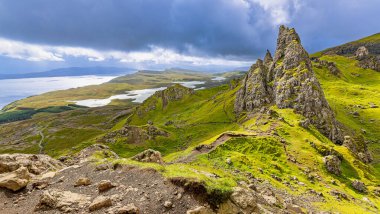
[24,114]
[356,87]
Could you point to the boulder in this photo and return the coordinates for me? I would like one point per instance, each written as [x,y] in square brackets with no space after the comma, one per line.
[294,208]
[82,182]
[129,209]
[361,53]
[149,155]
[332,164]
[245,199]
[41,184]
[200,210]
[359,186]
[168,204]
[99,203]
[105,185]
[339,195]
[15,180]
[64,201]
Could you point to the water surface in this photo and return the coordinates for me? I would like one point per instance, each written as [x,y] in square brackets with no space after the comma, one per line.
[137,96]
[15,89]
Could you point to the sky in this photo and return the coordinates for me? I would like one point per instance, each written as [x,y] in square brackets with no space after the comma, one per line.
[39,35]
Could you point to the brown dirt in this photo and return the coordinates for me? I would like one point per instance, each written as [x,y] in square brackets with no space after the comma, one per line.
[145,188]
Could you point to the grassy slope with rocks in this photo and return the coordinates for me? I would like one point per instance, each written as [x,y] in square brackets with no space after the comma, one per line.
[270,146]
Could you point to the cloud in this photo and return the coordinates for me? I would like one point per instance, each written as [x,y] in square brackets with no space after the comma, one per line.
[155,55]
[280,11]
[218,31]
[29,52]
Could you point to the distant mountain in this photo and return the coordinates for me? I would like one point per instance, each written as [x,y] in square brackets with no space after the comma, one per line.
[72,71]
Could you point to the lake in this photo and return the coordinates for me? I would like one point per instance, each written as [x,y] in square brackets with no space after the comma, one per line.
[15,89]
[137,96]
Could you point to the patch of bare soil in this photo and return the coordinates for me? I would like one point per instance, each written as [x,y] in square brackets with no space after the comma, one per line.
[145,189]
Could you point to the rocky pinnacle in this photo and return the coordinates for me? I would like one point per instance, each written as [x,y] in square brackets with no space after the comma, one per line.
[288,81]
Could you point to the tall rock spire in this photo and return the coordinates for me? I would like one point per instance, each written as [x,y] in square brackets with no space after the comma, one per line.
[288,82]
[268,59]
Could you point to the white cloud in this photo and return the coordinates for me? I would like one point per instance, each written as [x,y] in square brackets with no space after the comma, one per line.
[30,52]
[280,11]
[156,55]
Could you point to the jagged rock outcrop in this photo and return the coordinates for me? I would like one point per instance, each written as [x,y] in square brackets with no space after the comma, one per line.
[288,82]
[254,92]
[36,164]
[16,170]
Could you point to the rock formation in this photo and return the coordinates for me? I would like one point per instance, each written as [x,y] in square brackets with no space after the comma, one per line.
[361,53]
[366,60]
[149,155]
[288,82]
[36,164]
[175,92]
[332,164]
[15,180]
[331,66]
[16,170]
[64,201]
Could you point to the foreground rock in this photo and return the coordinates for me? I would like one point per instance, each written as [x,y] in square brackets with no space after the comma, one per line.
[99,203]
[15,180]
[149,155]
[105,185]
[65,201]
[200,210]
[83,182]
[36,164]
[245,199]
[128,209]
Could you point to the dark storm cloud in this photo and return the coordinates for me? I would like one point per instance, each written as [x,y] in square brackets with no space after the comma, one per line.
[228,28]
[215,27]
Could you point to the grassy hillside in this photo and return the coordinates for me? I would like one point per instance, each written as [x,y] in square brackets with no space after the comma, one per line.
[351,95]
[201,138]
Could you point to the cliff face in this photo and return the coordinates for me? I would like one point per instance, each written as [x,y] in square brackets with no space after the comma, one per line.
[288,82]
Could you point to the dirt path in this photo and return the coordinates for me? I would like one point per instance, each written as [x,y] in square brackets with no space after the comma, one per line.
[203,149]
[41,143]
